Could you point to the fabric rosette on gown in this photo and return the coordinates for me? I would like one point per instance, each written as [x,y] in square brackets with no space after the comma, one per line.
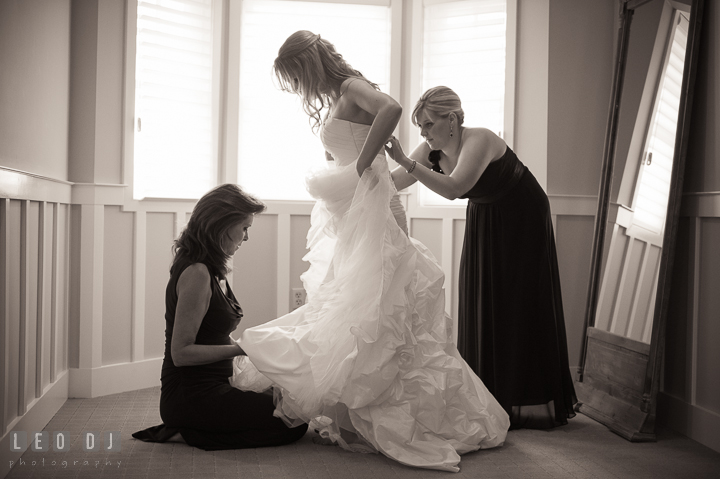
[369,359]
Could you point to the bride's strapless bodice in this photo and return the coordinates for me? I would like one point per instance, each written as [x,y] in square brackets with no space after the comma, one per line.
[343,139]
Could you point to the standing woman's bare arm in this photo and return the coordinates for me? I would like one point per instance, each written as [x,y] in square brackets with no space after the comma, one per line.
[401,177]
[479,148]
[194,293]
[386,113]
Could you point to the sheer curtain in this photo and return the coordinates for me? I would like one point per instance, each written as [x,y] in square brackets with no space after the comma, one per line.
[276,144]
[464,48]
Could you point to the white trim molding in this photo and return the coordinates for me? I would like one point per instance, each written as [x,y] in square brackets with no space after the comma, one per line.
[115,378]
[22,185]
[98,194]
[39,413]
[701,205]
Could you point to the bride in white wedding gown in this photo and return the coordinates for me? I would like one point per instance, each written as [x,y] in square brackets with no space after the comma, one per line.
[369,360]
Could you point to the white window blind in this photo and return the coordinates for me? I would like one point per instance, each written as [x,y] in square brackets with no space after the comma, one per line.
[175,123]
[464,46]
[276,144]
[654,183]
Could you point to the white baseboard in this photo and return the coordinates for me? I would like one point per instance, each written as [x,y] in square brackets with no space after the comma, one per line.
[113,379]
[695,422]
[38,414]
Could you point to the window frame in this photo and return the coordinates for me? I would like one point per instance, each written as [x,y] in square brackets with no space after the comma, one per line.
[129,119]
[669,33]
[234,59]
[228,16]
[411,135]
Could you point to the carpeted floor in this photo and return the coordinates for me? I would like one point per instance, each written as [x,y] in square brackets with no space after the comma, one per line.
[582,449]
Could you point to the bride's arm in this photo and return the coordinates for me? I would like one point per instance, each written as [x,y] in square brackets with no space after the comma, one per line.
[386,112]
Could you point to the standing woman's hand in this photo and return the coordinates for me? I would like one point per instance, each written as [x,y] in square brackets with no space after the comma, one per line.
[401,175]
[395,151]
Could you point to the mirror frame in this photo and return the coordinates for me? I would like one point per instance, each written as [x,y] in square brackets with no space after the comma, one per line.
[633,419]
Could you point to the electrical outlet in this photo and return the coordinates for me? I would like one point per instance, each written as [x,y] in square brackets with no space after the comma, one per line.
[297,298]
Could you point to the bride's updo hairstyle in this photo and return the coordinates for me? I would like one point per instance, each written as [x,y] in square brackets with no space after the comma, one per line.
[440,100]
[214,214]
[309,66]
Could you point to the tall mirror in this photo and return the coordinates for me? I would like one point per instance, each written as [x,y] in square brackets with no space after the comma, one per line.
[638,206]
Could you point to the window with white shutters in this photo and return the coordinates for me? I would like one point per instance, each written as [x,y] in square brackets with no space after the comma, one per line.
[175,116]
[654,180]
[276,143]
[186,127]
[464,48]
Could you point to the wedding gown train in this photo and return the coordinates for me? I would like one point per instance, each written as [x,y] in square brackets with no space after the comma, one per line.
[370,355]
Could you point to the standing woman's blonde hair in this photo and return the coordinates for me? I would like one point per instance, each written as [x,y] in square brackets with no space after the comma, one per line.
[440,100]
[309,66]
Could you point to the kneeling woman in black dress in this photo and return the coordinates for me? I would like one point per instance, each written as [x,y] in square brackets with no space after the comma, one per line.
[511,329]
[201,311]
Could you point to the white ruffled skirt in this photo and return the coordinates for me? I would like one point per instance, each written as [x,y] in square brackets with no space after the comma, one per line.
[369,360]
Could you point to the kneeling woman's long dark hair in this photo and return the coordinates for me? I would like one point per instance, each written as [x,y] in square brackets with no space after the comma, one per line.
[214,214]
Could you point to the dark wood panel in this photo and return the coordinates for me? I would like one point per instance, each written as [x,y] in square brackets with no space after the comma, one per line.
[616,363]
[613,385]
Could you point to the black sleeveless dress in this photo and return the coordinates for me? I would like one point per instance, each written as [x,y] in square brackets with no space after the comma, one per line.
[198,401]
[511,329]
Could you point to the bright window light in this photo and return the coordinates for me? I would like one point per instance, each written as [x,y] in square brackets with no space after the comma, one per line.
[654,183]
[276,144]
[174,136]
[464,49]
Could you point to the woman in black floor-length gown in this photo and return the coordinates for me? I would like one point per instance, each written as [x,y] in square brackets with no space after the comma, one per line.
[511,327]
[196,399]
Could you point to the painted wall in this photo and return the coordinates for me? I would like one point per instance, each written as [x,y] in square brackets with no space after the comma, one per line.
[580,72]
[118,253]
[95,136]
[690,397]
[532,80]
[580,66]
[703,171]
[34,215]
[34,86]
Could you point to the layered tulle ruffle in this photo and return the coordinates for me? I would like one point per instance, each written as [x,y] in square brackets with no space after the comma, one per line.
[369,360]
